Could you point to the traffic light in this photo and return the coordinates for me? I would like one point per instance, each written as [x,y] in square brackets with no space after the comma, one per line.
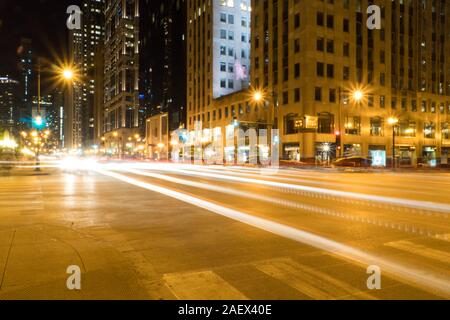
[38,122]
[338,140]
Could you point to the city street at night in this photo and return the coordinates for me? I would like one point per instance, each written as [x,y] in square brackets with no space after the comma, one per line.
[172,231]
[225,159]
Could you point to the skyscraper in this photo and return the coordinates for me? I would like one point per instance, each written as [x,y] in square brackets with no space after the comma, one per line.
[9,102]
[25,56]
[163,59]
[121,73]
[84,46]
[218,58]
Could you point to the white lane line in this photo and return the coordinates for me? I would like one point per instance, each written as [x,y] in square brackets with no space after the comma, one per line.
[423,278]
[424,205]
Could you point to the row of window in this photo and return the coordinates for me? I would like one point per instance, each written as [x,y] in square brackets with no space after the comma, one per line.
[378,125]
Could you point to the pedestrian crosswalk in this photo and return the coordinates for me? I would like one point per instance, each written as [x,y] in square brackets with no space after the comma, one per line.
[310,283]
[202,286]
[315,283]
[20,197]
[420,250]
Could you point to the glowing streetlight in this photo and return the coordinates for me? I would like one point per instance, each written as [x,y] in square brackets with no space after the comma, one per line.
[358,95]
[392,121]
[67,74]
[257,96]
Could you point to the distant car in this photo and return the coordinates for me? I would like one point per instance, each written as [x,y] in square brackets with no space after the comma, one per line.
[353,162]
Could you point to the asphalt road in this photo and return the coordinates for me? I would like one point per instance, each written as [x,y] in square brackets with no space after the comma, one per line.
[159,231]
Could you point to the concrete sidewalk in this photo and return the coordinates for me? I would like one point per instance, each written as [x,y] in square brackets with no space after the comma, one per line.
[36,249]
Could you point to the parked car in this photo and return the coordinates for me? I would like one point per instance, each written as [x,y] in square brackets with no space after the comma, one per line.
[353,162]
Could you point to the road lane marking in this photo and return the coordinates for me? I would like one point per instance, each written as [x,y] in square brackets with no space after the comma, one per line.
[201,286]
[421,250]
[314,283]
[423,278]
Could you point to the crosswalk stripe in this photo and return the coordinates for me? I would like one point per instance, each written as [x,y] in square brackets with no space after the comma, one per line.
[201,286]
[443,237]
[313,283]
[420,250]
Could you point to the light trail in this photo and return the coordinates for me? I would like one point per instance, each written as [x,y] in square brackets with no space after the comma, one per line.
[424,279]
[423,205]
[294,205]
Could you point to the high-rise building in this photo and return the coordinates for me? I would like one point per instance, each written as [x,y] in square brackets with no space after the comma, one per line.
[27,83]
[218,62]
[84,46]
[9,102]
[163,60]
[74,95]
[55,118]
[121,73]
[336,86]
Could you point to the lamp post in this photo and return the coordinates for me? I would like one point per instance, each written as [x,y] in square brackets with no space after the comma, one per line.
[393,122]
[358,96]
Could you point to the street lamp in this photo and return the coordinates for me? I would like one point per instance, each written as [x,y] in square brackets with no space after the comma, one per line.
[358,95]
[393,121]
[67,74]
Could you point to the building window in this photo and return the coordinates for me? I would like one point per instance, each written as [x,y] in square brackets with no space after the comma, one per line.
[289,124]
[346,49]
[297,95]
[429,130]
[325,123]
[297,70]
[346,25]
[330,21]
[297,21]
[346,73]
[382,101]
[330,71]
[406,129]
[320,69]
[320,44]
[320,19]
[377,127]
[370,100]
[445,130]
[330,46]
[353,125]
[285,97]
[318,94]
[332,95]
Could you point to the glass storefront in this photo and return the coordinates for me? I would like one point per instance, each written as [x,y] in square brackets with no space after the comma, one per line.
[378,155]
[406,156]
[429,156]
[291,152]
[445,156]
[325,152]
[352,150]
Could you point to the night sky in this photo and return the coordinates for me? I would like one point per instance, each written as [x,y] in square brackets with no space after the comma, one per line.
[43,21]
